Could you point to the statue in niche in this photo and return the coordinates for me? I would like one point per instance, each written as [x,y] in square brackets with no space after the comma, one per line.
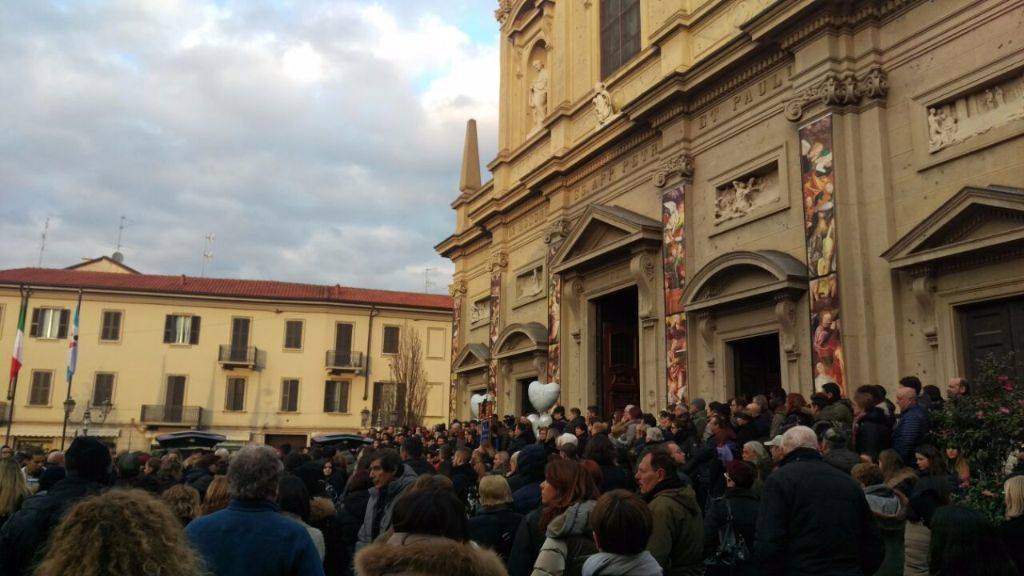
[602,101]
[539,93]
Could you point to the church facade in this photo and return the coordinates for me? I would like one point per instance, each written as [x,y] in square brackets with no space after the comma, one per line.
[702,198]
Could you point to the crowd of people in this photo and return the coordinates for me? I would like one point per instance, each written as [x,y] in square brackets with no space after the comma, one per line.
[774,484]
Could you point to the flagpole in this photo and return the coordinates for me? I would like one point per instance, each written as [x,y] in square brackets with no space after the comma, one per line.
[12,385]
[72,364]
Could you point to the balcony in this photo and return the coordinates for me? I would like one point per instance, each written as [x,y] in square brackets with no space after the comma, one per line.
[239,357]
[344,361]
[162,414]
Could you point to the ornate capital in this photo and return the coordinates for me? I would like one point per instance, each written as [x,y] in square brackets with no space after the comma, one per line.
[457,289]
[499,261]
[679,165]
[839,89]
[557,231]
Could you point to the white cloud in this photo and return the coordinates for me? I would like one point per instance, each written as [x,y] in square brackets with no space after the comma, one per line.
[320,141]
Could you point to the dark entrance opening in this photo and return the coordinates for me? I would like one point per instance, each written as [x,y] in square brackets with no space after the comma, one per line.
[993,332]
[523,384]
[618,351]
[755,363]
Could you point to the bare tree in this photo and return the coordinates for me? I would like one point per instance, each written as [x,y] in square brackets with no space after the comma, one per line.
[411,379]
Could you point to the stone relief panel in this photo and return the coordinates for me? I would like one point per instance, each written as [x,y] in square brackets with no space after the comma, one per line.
[749,191]
[480,311]
[529,284]
[739,198]
[975,113]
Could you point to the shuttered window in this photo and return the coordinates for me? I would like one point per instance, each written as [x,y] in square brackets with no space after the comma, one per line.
[42,381]
[620,33]
[235,397]
[336,396]
[290,395]
[50,323]
[180,329]
[293,334]
[111,328]
[391,337]
[103,389]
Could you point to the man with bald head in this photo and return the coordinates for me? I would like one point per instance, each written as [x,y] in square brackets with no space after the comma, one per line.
[957,387]
[912,426]
[814,519]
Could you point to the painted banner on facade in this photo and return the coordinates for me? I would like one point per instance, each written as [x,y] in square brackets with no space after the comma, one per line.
[674,264]
[494,328]
[453,392]
[817,181]
[554,319]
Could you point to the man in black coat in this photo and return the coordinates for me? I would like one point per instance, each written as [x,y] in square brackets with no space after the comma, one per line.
[24,536]
[412,456]
[814,519]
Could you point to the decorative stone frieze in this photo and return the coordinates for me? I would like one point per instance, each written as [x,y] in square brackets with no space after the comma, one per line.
[839,89]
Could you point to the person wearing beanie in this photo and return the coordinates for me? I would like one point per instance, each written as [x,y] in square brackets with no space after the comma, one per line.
[24,535]
[739,502]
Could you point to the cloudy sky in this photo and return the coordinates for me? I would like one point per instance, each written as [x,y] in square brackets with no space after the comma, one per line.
[318,140]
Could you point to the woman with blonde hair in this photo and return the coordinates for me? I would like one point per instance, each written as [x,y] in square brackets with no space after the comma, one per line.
[217,496]
[119,533]
[1012,531]
[13,489]
[495,523]
[183,501]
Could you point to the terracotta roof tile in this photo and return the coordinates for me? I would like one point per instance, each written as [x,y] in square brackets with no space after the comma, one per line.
[190,285]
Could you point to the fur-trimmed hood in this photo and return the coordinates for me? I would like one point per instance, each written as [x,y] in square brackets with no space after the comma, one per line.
[416,555]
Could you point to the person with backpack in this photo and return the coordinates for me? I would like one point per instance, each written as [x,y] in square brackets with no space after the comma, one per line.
[730,524]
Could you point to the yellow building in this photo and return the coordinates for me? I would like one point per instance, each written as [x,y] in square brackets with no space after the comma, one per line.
[709,198]
[257,361]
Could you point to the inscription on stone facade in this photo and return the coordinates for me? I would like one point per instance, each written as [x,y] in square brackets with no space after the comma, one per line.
[742,100]
[614,171]
[528,221]
[975,113]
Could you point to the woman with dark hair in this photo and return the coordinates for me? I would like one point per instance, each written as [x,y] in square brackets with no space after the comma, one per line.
[430,538]
[739,506]
[932,471]
[567,495]
[871,430]
[964,543]
[622,526]
[797,413]
[352,507]
[293,499]
[600,449]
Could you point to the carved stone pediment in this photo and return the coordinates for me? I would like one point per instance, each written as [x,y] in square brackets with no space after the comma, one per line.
[975,222]
[471,358]
[519,339]
[603,232]
[738,278]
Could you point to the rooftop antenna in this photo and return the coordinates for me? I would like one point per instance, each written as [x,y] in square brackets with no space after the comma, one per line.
[207,253]
[428,284]
[118,256]
[42,242]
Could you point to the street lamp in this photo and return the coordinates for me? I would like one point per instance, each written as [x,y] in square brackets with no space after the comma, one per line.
[86,419]
[365,415]
[69,407]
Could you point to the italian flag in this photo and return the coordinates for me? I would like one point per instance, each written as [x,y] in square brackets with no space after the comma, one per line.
[19,340]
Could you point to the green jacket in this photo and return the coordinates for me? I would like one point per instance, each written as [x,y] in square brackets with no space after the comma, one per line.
[838,411]
[677,540]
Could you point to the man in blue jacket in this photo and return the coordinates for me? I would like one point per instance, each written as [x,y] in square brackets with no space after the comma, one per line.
[912,427]
[251,537]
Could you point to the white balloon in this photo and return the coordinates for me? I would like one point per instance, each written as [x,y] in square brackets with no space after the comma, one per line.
[474,404]
[543,396]
[538,422]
